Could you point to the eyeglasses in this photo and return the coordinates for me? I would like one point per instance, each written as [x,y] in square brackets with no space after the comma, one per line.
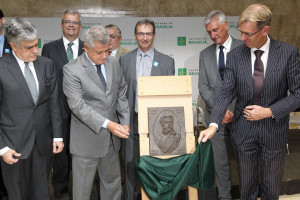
[141,34]
[71,22]
[249,34]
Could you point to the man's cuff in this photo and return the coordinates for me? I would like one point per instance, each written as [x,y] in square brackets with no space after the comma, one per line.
[4,150]
[104,125]
[214,124]
[58,139]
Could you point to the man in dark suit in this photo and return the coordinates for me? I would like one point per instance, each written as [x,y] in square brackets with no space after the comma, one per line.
[114,47]
[211,71]
[5,47]
[30,120]
[261,71]
[60,53]
[96,93]
[143,61]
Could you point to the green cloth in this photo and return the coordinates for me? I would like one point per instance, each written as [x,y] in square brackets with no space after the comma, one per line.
[163,178]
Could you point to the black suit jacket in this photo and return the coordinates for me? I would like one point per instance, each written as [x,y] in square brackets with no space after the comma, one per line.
[55,50]
[6,47]
[21,121]
[282,75]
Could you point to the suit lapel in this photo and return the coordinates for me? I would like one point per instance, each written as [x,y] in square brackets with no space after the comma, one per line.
[213,60]
[15,70]
[62,51]
[246,68]
[272,61]
[90,70]
[39,74]
[108,71]
[155,68]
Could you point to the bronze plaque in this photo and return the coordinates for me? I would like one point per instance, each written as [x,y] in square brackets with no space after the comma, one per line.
[166,131]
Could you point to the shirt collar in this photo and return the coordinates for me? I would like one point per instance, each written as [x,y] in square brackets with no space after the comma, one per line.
[264,48]
[227,43]
[139,52]
[66,42]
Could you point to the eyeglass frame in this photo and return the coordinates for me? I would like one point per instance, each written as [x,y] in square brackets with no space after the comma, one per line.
[71,22]
[141,34]
[249,34]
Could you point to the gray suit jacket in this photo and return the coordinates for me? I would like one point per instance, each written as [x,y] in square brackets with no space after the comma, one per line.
[282,75]
[165,67]
[22,123]
[91,105]
[209,78]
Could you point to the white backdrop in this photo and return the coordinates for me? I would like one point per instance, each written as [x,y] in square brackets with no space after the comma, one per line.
[179,37]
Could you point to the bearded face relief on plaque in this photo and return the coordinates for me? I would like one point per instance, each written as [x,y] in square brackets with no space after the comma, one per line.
[167,131]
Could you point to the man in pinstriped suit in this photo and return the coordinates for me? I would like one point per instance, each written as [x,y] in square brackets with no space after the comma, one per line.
[260,123]
[210,81]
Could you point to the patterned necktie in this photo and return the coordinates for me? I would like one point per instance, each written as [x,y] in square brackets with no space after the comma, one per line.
[70,52]
[258,77]
[221,62]
[31,82]
[101,76]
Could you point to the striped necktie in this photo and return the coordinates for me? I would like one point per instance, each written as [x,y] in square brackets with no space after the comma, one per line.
[70,52]
[221,62]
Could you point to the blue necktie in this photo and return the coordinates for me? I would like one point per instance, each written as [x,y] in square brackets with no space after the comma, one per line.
[221,62]
[101,76]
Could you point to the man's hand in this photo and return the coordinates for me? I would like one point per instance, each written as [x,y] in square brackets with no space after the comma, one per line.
[58,146]
[121,131]
[207,134]
[228,117]
[8,157]
[254,113]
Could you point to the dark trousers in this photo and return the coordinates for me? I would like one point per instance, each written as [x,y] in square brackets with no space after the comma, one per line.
[130,153]
[61,162]
[256,160]
[2,187]
[28,176]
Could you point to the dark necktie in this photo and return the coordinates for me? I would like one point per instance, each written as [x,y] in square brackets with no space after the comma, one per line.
[221,62]
[70,52]
[31,82]
[258,76]
[109,52]
[101,76]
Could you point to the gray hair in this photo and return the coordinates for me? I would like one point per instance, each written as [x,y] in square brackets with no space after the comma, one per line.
[71,12]
[95,33]
[112,26]
[215,14]
[20,29]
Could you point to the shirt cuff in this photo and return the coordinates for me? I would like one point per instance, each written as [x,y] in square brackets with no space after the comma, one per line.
[58,139]
[4,150]
[104,125]
[214,124]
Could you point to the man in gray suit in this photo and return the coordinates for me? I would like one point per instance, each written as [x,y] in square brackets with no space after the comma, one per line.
[261,72]
[115,34]
[211,70]
[30,120]
[61,52]
[143,61]
[96,92]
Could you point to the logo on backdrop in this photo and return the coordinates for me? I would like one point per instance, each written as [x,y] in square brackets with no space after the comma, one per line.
[128,42]
[197,40]
[233,25]
[181,71]
[181,41]
[87,25]
[163,25]
[194,72]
